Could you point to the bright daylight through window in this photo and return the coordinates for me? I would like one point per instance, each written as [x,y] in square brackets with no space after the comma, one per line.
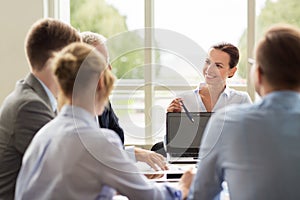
[154,65]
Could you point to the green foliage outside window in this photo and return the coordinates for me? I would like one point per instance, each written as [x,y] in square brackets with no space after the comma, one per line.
[100,17]
[274,12]
[97,16]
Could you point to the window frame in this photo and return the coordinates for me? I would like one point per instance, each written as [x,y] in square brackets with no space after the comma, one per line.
[61,10]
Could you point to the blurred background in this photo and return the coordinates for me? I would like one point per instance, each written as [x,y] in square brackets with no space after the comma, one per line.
[157,47]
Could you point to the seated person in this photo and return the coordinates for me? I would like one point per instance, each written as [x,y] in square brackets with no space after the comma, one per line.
[109,120]
[71,157]
[255,148]
[214,93]
[32,103]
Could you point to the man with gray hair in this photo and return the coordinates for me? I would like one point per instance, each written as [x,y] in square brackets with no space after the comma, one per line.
[109,120]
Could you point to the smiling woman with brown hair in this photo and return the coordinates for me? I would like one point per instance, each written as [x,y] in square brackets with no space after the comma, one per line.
[214,94]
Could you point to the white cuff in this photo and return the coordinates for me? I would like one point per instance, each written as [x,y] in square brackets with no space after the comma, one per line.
[130,152]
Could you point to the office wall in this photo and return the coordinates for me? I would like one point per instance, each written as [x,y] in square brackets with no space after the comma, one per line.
[16,17]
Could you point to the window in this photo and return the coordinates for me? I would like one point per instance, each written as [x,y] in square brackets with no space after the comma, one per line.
[180,33]
[149,80]
[206,23]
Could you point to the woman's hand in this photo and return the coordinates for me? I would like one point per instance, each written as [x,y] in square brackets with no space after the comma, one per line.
[175,105]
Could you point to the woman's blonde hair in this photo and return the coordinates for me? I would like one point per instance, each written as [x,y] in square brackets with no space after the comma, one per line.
[78,68]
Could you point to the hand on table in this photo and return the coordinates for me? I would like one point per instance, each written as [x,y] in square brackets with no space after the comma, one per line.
[154,160]
[185,182]
[154,176]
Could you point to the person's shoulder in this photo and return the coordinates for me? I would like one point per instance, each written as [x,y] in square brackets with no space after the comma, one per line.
[237,92]
[241,95]
[105,131]
[21,97]
[102,137]
[44,134]
[236,111]
[31,105]
[25,91]
[110,135]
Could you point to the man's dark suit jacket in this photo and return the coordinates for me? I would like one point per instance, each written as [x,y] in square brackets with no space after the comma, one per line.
[109,120]
[22,114]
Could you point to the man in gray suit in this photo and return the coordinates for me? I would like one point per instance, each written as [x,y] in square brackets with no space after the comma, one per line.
[32,104]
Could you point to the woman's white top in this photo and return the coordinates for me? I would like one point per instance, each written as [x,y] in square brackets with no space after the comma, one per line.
[194,103]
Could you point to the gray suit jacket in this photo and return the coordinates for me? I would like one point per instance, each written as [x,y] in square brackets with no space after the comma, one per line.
[22,114]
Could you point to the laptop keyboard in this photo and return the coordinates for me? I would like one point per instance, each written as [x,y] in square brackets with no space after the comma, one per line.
[185,155]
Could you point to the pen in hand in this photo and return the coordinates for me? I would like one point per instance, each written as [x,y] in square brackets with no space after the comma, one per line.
[186,111]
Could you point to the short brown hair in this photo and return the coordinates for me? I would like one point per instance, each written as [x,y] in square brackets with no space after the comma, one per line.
[277,55]
[45,37]
[231,50]
[80,65]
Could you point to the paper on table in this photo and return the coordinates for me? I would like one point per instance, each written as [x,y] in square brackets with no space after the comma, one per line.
[144,168]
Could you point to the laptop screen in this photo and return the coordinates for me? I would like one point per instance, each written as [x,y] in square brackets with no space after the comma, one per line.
[183,135]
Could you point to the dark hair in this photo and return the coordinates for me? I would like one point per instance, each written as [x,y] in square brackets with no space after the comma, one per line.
[45,37]
[231,50]
[277,55]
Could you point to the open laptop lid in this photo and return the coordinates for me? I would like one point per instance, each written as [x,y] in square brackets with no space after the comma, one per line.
[183,137]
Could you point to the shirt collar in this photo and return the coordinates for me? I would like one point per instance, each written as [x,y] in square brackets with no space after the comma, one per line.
[51,97]
[226,91]
[78,113]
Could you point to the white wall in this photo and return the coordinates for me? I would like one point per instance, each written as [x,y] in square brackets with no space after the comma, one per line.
[16,17]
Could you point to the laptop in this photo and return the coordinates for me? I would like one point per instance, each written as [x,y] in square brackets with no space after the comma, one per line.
[183,137]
